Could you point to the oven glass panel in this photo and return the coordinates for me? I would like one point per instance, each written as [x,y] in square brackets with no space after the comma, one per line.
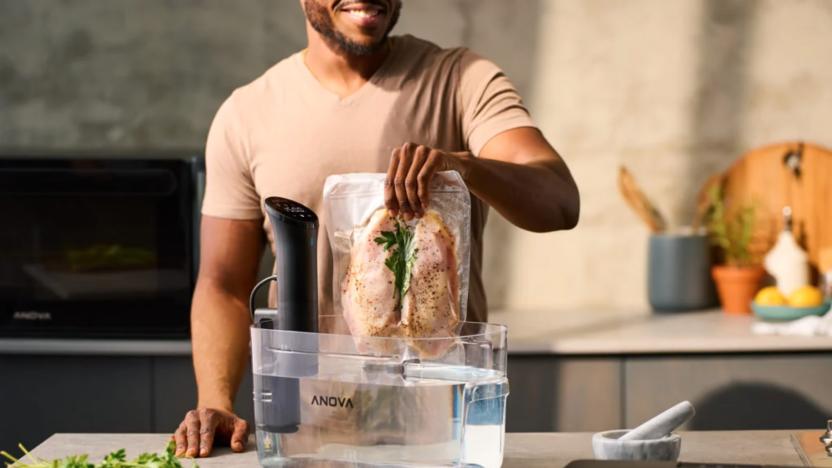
[94,246]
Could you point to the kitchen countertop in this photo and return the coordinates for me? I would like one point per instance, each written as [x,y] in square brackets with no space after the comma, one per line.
[522,449]
[584,332]
[622,333]
[95,347]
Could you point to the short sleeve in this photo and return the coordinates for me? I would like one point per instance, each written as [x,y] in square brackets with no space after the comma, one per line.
[229,186]
[490,103]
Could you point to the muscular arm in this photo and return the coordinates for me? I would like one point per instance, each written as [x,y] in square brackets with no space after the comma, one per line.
[229,256]
[522,176]
[517,172]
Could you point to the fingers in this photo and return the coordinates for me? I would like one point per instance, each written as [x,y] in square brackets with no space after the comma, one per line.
[240,435]
[411,183]
[407,186]
[180,439]
[192,433]
[405,158]
[433,163]
[390,200]
[201,428]
[208,421]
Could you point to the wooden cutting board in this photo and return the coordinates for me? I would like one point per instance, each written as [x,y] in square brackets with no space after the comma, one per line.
[762,177]
[810,449]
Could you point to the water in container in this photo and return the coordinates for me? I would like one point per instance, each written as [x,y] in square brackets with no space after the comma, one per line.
[330,399]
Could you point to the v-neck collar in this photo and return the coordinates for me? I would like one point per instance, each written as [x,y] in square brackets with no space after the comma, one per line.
[370,84]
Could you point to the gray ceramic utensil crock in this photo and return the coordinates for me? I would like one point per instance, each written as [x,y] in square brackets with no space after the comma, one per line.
[679,273]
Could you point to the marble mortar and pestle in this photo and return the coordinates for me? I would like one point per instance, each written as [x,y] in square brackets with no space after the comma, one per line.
[652,440]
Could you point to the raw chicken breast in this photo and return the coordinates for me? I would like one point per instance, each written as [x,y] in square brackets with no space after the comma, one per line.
[368,296]
[431,306]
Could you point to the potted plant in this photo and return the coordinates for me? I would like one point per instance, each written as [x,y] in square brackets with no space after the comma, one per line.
[738,277]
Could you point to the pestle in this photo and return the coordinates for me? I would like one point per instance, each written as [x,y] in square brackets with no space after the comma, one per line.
[663,424]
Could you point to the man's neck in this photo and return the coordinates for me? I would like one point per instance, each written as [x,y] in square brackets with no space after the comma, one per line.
[338,72]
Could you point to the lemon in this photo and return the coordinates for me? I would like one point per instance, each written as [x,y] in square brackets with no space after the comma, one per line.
[806,296]
[770,296]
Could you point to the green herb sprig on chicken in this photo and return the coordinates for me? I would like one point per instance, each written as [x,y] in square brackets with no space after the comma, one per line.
[402,257]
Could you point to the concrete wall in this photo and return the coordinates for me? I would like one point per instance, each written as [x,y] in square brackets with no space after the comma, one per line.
[674,90]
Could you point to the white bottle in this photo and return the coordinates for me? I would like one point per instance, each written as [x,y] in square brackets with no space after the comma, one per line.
[786,261]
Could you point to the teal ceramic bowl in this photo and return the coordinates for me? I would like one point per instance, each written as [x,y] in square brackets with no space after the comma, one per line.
[784,313]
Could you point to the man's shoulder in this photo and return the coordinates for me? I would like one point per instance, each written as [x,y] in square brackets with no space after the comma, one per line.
[428,52]
[424,58]
[274,80]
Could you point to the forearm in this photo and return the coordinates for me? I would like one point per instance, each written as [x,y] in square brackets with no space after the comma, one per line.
[539,196]
[220,337]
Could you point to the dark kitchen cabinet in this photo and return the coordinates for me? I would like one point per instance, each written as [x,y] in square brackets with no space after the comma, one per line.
[563,394]
[41,395]
[733,392]
[174,392]
[45,394]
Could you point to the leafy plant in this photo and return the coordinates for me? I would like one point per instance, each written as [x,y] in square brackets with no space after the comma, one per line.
[117,459]
[402,257]
[732,234]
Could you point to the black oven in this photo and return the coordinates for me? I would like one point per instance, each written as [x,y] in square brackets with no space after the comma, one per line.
[98,247]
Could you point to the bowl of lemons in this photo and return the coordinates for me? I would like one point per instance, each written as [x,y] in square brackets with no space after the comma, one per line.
[771,304]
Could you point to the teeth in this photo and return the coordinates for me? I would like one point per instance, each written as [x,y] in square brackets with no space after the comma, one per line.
[363,13]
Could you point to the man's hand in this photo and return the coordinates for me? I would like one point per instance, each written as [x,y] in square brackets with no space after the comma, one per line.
[229,254]
[517,172]
[407,187]
[203,427]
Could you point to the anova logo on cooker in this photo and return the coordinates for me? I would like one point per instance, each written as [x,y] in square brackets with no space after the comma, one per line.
[32,315]
[332,401]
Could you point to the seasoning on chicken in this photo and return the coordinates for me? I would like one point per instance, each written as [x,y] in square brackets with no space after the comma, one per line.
[430,308]
[402,281]
[367,293]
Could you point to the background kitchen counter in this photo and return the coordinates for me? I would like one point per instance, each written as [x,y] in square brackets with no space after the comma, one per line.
[532,332]
[522,450]
[628,333]
[582,371]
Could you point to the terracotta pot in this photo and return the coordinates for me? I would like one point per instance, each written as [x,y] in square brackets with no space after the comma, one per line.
[737,286]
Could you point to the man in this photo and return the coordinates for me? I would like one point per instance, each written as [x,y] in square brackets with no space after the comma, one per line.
[355,100]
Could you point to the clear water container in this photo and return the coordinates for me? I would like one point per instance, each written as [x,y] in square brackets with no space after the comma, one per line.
[331,399]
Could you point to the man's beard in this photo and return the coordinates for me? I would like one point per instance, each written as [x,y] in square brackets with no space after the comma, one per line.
[318,16]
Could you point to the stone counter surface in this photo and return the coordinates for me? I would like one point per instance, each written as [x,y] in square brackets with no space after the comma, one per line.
[585,332]
[522,449]
[621,333]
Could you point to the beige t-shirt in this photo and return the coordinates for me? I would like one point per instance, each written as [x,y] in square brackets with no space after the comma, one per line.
[284,133]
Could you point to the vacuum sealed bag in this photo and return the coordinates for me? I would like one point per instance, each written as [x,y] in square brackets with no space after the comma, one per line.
[397,278]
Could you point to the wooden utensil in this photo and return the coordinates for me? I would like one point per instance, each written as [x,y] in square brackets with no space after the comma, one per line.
[639,202]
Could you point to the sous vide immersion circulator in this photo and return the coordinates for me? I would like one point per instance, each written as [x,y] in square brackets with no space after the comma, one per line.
[295,228]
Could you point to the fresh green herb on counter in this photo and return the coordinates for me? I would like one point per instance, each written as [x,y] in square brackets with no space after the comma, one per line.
[731,231]
[402,256]
[117,459]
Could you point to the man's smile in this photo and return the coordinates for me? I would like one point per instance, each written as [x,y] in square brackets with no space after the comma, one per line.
[363,14]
